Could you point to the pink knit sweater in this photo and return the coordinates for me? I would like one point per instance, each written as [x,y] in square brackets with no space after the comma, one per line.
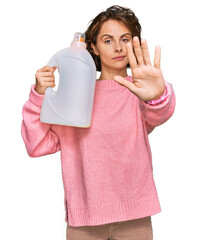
[107,168]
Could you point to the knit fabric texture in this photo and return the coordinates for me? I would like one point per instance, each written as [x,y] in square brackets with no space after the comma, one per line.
[107,168]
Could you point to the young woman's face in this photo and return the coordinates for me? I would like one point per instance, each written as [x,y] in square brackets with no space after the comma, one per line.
[111,43]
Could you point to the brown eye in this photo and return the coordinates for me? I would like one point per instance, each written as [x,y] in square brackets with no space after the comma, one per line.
[107,41]
[125,39]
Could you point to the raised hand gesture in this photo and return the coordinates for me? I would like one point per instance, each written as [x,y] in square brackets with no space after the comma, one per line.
[148,82]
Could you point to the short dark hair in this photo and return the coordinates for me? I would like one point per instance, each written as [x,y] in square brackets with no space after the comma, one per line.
[115,12]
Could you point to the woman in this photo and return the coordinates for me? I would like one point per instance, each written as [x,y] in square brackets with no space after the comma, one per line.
[107,169]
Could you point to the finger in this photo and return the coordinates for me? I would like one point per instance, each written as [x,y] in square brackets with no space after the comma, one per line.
[45,74]
[47,84]
[137,91]
[138,50]
[53,69]
[157,56]
[145,51]
[47,79]
[46,68]
[126,83]
[131,56]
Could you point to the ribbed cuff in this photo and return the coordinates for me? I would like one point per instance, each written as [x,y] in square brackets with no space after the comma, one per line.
[157,101]
[162,103]
[35,97]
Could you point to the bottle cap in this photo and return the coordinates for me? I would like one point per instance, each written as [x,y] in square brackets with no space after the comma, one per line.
[79,40]
[79,37]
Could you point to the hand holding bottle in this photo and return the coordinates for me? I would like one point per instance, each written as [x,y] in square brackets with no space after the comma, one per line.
[44,78]
[72,103]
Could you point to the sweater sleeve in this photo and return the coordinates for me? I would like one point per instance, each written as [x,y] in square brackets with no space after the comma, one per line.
[156,114]
[39,138]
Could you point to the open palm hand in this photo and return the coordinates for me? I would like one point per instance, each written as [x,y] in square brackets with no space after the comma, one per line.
[148,82]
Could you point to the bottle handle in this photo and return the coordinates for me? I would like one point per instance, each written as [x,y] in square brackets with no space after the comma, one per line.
[49,90]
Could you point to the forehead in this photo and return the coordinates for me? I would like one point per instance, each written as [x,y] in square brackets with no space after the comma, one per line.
[113,27]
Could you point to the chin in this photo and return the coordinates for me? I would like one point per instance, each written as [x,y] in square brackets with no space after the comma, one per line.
[119,66]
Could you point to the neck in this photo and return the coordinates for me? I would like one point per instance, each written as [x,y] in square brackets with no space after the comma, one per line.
[110,74]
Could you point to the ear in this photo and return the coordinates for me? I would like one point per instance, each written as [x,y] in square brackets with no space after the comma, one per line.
[94,49]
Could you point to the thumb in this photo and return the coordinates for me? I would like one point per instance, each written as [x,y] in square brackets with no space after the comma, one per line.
[53,69]
[122,81]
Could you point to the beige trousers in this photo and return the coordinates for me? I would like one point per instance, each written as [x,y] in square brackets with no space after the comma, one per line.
[138,229]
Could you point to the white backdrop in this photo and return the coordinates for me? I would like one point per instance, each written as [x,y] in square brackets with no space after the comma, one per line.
[31,189]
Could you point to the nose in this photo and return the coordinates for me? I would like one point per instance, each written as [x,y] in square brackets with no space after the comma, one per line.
[118,47]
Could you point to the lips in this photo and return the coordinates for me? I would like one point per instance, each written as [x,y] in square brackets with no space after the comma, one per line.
[119,57]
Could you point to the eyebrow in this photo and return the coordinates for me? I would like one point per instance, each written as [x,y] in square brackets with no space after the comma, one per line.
[112,36]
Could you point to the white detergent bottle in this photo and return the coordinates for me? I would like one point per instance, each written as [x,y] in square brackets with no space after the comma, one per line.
[72,103]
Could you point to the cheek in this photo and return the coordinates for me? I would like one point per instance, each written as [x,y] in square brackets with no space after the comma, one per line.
[106,53]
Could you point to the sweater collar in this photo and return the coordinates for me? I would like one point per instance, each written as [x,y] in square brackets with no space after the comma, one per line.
[110,83]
